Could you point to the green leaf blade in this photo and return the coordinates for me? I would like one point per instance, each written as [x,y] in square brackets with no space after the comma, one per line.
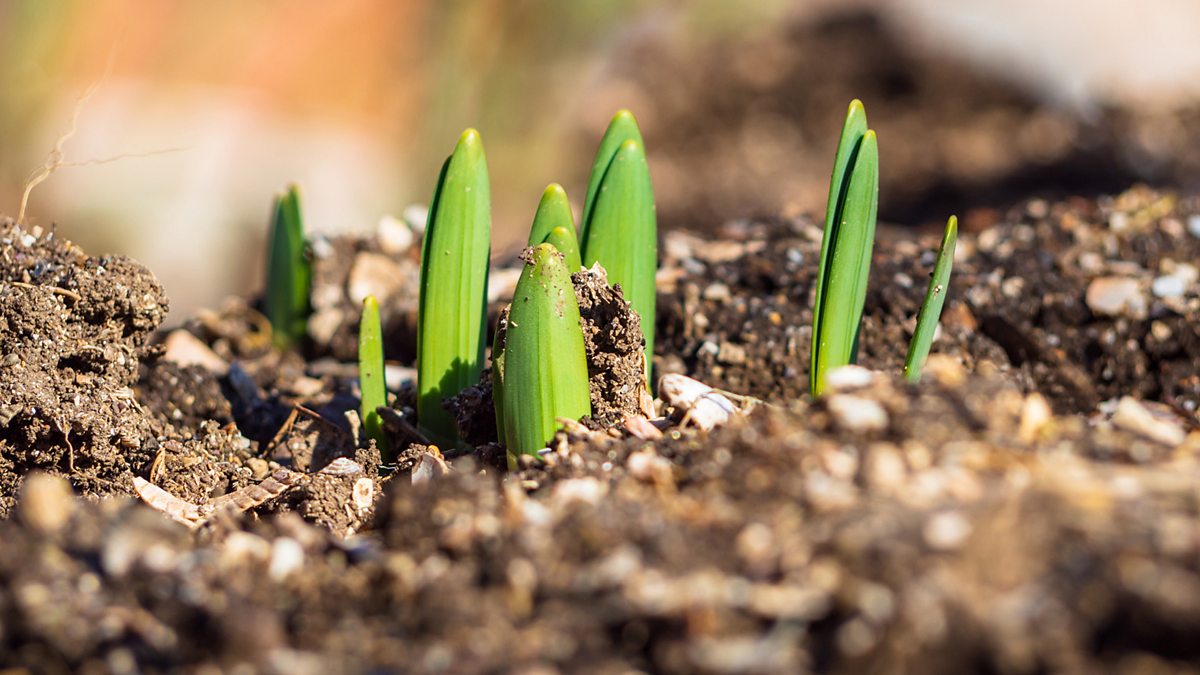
[289,273]
[622,128]
[623,235]
[452,310]
[931,308]
[554,210]
[371,384]
[544,371]
[554,224]
[846,247]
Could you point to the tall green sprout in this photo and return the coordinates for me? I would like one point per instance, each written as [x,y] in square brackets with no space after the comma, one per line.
[543,374]
[289,272]
[931,309]
[452,312]
[845,248]
[620,228]
[370,373]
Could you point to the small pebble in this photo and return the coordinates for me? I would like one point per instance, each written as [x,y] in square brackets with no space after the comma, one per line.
[364,493]
[587,490]
[394,235]
[46,502]
[1116,296]
[1134,417]
[848,377]
[1035,415]
[1168,287]
[1193,225]
[185,349]
[947,531]
[731,354]
[855,413]
[416,216]
[717,292]
[884,466]
[373,274]
[287,557]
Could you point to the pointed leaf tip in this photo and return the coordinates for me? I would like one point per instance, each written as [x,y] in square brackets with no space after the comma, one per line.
[469,137]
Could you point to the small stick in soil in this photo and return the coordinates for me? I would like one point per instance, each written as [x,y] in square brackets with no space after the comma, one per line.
[53,289]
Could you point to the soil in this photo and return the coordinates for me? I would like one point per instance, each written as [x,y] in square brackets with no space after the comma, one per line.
[1029,507]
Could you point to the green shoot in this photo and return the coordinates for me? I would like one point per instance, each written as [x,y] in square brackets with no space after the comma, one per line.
[544,371]
[620,229]
[931,309]
[370,372]
[554,224]
[452,311]
[289,273]
[845,249]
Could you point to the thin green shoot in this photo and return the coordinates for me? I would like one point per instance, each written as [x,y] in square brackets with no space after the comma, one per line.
[371,382]
[931,309]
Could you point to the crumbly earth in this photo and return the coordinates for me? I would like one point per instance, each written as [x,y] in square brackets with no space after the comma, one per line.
[73,330]
[1029,507]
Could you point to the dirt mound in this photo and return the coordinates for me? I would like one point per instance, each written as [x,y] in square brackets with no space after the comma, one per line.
[73,330]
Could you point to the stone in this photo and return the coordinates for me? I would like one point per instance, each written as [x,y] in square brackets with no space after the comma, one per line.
[185,349]
[394,235]
[1132,416]
[1116,296]
[858,414]
[46,502]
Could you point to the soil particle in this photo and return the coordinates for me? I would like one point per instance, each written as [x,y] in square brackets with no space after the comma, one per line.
[612,337]
[73,330]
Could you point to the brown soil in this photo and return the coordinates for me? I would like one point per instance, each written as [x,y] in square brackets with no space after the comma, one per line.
[73,330]
[959,525]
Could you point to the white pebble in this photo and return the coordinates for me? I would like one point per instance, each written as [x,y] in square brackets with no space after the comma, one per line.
[855,413]
[1116,296]
[1193,225]
[848,377]
[287,556]
[1134,417]
[947,531]
[416,216]
[394,235]
[1168,287]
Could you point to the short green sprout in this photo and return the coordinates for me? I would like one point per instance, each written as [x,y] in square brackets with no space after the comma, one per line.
[554,224]
[289,273]
[542,370]
[620,228]
[452,311]
[846,248]
[370,372]
[931,309]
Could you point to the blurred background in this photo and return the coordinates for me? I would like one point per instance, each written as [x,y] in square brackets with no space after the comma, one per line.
[199,112]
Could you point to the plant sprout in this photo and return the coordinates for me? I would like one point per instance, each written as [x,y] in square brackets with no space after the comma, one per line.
[370,373]
[543,371]
[931,309]
[620,229]
[846,248]
[554,224]
[452,311]
[289,273]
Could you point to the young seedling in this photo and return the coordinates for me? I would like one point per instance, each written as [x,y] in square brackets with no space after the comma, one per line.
[452,311]
[620,229]
[845,248]
[544,368]
[289,273]
[931,309]
[554,224]
[370,373]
